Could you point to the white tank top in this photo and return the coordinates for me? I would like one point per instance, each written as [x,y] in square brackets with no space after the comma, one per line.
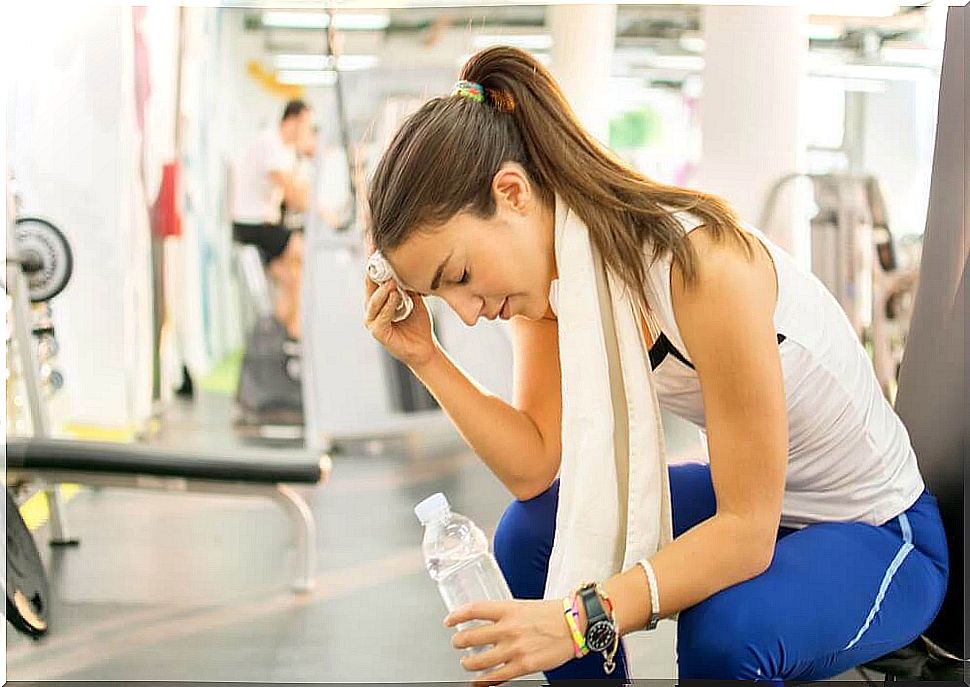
[849,455]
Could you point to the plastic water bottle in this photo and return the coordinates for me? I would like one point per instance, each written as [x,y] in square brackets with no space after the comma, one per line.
[457,557]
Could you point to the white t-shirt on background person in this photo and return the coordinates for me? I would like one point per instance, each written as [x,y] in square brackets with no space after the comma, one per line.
[256,197]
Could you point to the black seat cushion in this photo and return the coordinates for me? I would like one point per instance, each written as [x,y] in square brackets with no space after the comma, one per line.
[916,662]
[64,455]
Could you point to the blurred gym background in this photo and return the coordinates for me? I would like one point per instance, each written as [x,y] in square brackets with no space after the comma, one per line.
[170,557]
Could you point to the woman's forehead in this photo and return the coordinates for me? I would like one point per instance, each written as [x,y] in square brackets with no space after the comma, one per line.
[418,259]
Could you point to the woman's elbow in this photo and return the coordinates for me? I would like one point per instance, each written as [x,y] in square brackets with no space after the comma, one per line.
[754,546]
[528,490]
[762,548]
[762,559]
[528,487]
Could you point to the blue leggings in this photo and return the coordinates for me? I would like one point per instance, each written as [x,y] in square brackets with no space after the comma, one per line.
[836,595]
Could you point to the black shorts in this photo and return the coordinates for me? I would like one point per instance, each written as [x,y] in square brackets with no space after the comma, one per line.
[270,239]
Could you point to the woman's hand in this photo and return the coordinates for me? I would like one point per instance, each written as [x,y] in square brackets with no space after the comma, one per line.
[526,636]
[411,340]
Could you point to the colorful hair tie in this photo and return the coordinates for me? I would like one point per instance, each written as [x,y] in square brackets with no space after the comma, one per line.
[470,90]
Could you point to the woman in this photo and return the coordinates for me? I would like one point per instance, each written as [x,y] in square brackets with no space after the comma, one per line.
[808,545]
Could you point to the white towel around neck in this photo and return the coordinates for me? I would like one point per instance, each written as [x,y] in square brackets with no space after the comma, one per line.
[614,495]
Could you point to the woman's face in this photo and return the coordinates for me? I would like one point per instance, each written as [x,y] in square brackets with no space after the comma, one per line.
[495,268]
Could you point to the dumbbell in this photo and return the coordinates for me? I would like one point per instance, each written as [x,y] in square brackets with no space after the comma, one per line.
[45,257]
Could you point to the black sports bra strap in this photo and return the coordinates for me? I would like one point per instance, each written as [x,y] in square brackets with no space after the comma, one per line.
[662,347]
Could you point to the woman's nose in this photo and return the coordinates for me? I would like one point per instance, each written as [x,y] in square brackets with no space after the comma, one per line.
[467,307]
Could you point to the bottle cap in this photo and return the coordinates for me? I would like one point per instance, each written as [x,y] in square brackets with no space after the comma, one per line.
[431,508]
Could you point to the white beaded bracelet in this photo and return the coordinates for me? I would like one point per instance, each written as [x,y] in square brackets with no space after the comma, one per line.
[654,594]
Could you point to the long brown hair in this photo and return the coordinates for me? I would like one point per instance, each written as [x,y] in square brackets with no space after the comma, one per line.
[443,158]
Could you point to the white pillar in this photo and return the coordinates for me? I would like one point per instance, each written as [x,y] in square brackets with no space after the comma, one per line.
[582,54]
[753,81]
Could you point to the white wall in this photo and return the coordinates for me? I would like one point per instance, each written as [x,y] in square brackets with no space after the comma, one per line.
[74,146]
[900,125]
[160,26]
[205,308]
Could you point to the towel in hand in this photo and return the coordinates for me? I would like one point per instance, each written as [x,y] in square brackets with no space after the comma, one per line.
[379,270]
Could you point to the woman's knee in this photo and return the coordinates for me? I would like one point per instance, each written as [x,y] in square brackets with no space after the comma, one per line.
[523,542]
[719,639]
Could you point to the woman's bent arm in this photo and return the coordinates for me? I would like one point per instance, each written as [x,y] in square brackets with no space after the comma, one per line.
[507,440]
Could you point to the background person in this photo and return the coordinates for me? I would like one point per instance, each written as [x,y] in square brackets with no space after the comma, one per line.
[266,178]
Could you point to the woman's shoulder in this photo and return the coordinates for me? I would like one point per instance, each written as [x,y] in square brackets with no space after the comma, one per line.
[659,263]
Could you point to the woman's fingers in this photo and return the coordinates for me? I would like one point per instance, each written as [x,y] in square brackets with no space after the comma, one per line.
[480,610]
[498,677]
[374,303]
[477,636]
[379,302]
[485,660]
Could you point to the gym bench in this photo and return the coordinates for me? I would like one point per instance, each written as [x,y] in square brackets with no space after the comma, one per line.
[56,461]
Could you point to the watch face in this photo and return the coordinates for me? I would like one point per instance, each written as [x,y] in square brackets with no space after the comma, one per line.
[600,636]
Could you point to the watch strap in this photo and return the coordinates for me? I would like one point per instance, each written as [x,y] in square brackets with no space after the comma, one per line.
[595,611]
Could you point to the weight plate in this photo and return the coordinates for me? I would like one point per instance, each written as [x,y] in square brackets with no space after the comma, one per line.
[47,257]
[28,595]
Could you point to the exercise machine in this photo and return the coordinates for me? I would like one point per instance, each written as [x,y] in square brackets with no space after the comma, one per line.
[38,267]
[269,397]
[855,255]
[353,390]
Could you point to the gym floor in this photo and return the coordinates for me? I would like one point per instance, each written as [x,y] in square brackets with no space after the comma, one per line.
[195,587]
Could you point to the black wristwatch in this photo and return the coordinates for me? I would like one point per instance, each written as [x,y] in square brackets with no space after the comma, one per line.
[600,627]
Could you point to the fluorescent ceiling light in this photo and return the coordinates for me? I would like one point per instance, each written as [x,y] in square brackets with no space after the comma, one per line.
[691,43]
[822,32]
[690,63]
[538,41]
[352,63]
[321,20]
[362,22]
[872,71]
[295,20]
[347,63]
[301,77]
[290,62]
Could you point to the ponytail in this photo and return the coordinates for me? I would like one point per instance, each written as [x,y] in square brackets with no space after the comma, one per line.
[426,175]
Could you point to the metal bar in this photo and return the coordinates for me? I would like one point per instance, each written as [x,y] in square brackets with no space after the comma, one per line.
[26,348]
[296,509]
[305,537]
[155,482]
[17,288]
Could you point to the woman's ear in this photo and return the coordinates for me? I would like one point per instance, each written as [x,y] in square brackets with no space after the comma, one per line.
[511,187]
